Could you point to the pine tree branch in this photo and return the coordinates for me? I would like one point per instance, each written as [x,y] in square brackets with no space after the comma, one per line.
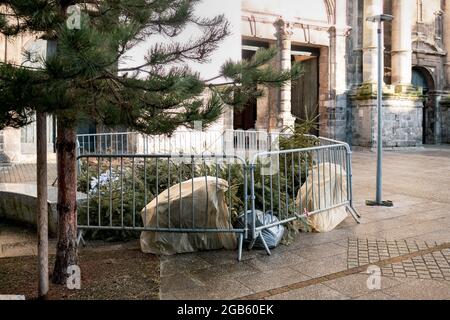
[198,51]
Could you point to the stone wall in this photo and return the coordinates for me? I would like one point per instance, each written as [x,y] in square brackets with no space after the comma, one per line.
[18,203]
[402,126]
[445,123]
[333,118]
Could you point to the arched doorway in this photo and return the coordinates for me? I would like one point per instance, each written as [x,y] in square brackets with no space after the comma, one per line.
[421,77]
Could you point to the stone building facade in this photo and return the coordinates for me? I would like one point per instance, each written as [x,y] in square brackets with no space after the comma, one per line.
[338,50]
[416,66]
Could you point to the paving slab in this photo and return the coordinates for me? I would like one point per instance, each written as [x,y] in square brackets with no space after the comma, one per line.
[179,282]
[356,285]
[221,272]
[214,290]
[277,260]
[262,281]
[314,292]
[420,289]
[181,263]
[377,295]
[321,251]
[322,266]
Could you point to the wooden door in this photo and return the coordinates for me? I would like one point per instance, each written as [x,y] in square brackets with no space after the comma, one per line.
[245,118]
[305,91]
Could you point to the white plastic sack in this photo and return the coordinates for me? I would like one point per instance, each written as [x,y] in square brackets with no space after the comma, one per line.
[210,211]
[333,190]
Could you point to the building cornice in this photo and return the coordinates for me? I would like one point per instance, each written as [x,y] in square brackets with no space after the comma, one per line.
[300,23]
[268,18]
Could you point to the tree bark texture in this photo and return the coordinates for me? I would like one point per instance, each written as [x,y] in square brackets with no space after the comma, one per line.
[66,250]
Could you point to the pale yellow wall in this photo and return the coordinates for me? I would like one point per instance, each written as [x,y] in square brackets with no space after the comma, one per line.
[11,48]
[14,47]
[303,9]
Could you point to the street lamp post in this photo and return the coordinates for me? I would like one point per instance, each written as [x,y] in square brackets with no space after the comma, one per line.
[380,19]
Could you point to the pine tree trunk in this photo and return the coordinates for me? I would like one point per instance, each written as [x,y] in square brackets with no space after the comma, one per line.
[66,250]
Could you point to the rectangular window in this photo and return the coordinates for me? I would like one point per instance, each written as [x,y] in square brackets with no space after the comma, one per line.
[438,25]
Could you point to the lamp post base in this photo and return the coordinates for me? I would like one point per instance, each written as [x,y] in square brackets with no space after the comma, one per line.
[387,203]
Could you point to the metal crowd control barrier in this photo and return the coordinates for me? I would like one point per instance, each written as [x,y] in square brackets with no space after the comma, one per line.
[186,142]
[240,142]
[119,187]
[108,143]
[278,178]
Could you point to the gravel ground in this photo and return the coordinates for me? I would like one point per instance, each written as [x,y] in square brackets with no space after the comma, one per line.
[106,273]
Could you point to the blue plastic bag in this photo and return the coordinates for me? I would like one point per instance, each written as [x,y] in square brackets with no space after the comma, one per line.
[272,235]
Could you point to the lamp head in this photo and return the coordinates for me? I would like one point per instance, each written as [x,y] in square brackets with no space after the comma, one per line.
[381,18]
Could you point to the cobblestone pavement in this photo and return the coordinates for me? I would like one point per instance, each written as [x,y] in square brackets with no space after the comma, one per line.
[24,172]
[435,265]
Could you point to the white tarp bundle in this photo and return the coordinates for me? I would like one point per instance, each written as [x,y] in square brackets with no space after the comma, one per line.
[203,196]
[326,186]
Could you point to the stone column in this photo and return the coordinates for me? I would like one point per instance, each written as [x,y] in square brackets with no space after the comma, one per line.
[447,41]
[370,56]
[283,35]
[337,117]
[266,116]
[401,42]
[438,120]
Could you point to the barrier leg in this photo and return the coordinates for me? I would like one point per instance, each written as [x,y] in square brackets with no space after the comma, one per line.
[240,244]
[266,247]
[354,214]
[252,243]
[80,238]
